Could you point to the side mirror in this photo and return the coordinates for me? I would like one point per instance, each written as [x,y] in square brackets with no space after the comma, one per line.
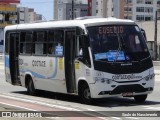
[144,33]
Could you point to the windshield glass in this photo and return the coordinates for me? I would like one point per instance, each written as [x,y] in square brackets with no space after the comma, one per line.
[117,43]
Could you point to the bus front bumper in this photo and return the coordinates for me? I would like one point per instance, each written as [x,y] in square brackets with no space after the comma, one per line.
[101,90]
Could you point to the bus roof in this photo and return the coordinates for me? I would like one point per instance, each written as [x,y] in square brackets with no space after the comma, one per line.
[81,22]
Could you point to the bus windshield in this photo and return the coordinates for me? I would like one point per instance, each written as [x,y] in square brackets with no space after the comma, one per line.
[117,43]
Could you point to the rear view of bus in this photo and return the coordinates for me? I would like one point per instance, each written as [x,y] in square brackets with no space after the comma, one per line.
[121,60]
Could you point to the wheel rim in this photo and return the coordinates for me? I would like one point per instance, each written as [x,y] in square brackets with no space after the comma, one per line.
[87,94]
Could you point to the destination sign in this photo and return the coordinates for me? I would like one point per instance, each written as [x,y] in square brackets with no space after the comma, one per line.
[111,29]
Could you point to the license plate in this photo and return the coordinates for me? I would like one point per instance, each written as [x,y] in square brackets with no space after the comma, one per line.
[127,94]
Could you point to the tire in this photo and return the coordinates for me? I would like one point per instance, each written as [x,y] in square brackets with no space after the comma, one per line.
[85,94]
[30,87]
[140,98]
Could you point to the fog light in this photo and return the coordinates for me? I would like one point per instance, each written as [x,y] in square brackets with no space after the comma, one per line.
[149,77]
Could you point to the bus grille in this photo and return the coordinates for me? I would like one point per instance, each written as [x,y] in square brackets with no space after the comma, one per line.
[126,88]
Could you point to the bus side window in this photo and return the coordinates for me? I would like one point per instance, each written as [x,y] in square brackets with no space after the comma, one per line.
[41,43]
[83,50]
[59,40]
[26,42]
[81,47]
[50,45]
[22,42]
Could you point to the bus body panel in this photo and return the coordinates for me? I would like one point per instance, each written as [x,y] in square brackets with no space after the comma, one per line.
[83,72]
[47,72]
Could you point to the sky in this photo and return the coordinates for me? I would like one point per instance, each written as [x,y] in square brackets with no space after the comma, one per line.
[44,7]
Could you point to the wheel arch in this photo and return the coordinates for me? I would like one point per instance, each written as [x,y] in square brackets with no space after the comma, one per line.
[81,82]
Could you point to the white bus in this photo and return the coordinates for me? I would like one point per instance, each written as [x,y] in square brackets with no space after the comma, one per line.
[92,58]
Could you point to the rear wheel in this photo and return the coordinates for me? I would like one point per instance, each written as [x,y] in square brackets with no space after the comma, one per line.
[30,87]
[140,98]
[85,94]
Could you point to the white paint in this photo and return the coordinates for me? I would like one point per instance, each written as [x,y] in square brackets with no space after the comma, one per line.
[117,118]
[132,118]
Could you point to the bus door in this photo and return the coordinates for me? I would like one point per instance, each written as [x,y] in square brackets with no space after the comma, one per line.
[69,60]
[13,61]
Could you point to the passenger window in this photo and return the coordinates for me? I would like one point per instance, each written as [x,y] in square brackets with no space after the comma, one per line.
[41,36]
[39,49]
[51,46]
[28,48]
[28,37]
[26,42]
[55,42]
[58,37]
[40,44]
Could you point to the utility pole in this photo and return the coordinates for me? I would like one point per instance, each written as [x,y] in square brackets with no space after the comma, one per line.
[155,38]
[72,9]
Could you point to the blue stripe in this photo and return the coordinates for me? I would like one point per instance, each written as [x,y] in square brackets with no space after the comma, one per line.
[55,69]
[7,62]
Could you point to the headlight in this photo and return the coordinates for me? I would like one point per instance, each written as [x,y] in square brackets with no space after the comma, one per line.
[149,77]
[103,80]
[98,79]
[108,81]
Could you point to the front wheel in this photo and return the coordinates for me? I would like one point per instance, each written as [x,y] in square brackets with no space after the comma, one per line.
[86,95]
[140,98]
